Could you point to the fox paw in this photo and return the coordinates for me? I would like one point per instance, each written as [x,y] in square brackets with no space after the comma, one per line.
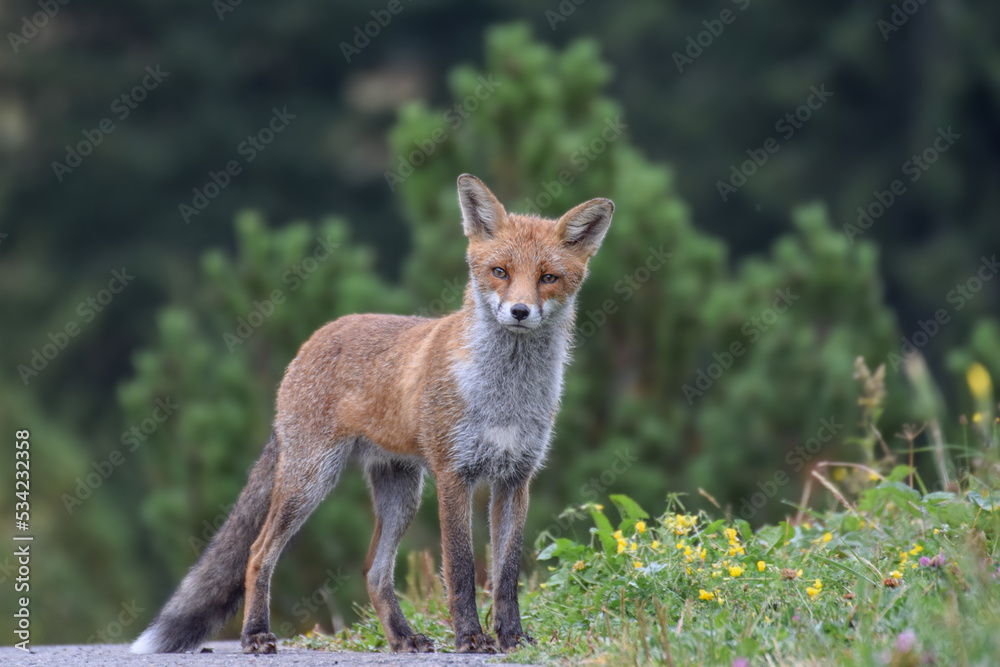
[414,644]
[476,643]
[260,643]
[512,641]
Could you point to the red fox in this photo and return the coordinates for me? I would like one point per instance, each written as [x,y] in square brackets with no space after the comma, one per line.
[471,397]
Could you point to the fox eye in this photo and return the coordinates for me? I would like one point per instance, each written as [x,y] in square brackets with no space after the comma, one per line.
[499,273]
[549,278]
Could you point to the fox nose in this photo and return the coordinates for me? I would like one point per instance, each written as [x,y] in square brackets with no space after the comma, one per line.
[519,311]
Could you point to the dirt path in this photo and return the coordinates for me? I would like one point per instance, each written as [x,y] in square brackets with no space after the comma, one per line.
[224,653]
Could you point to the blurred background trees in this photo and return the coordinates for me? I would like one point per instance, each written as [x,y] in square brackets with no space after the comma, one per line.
[715,336]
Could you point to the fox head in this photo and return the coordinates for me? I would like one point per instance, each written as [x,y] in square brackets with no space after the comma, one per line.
[525,270]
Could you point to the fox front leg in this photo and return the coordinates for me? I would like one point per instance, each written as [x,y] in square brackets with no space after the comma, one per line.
[455,509]
[508,510]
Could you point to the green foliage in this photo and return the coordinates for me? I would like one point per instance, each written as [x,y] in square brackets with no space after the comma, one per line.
[903,574]
[840,588]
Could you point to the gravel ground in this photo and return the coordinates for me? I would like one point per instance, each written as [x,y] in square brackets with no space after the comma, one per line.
[224,653]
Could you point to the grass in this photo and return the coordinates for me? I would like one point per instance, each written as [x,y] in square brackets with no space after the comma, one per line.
[893,575]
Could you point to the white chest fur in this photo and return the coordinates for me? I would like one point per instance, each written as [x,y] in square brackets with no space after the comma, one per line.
[511,385]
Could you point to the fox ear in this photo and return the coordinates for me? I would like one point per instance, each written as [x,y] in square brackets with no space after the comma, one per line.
[482,214]
[584,226]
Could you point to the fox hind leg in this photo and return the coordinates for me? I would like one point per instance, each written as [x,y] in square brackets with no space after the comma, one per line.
[396,487]
[300,484]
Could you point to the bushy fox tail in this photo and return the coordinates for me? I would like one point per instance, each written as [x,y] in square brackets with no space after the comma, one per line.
[212,590]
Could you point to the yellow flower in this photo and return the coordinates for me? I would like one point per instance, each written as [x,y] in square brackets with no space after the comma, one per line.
[936,531]
[916,549]
[579,565]
[976,418]
[637,564]
[979,381]
[617,535]
[621,546]
[896,574]
[839,474]
[633,546]
[641,526]
[798,573]
[903,557]
[827,537]
[731,534]
[806,525]
[872,477]
[705,595]
[818,583]
[681,524]
[655,545]
[680,545]
[735,571]
[761,565]
[813,592]
[599,508]
[703,554]
[542,585]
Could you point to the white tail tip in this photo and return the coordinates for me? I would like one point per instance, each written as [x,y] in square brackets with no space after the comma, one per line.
[146,643]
